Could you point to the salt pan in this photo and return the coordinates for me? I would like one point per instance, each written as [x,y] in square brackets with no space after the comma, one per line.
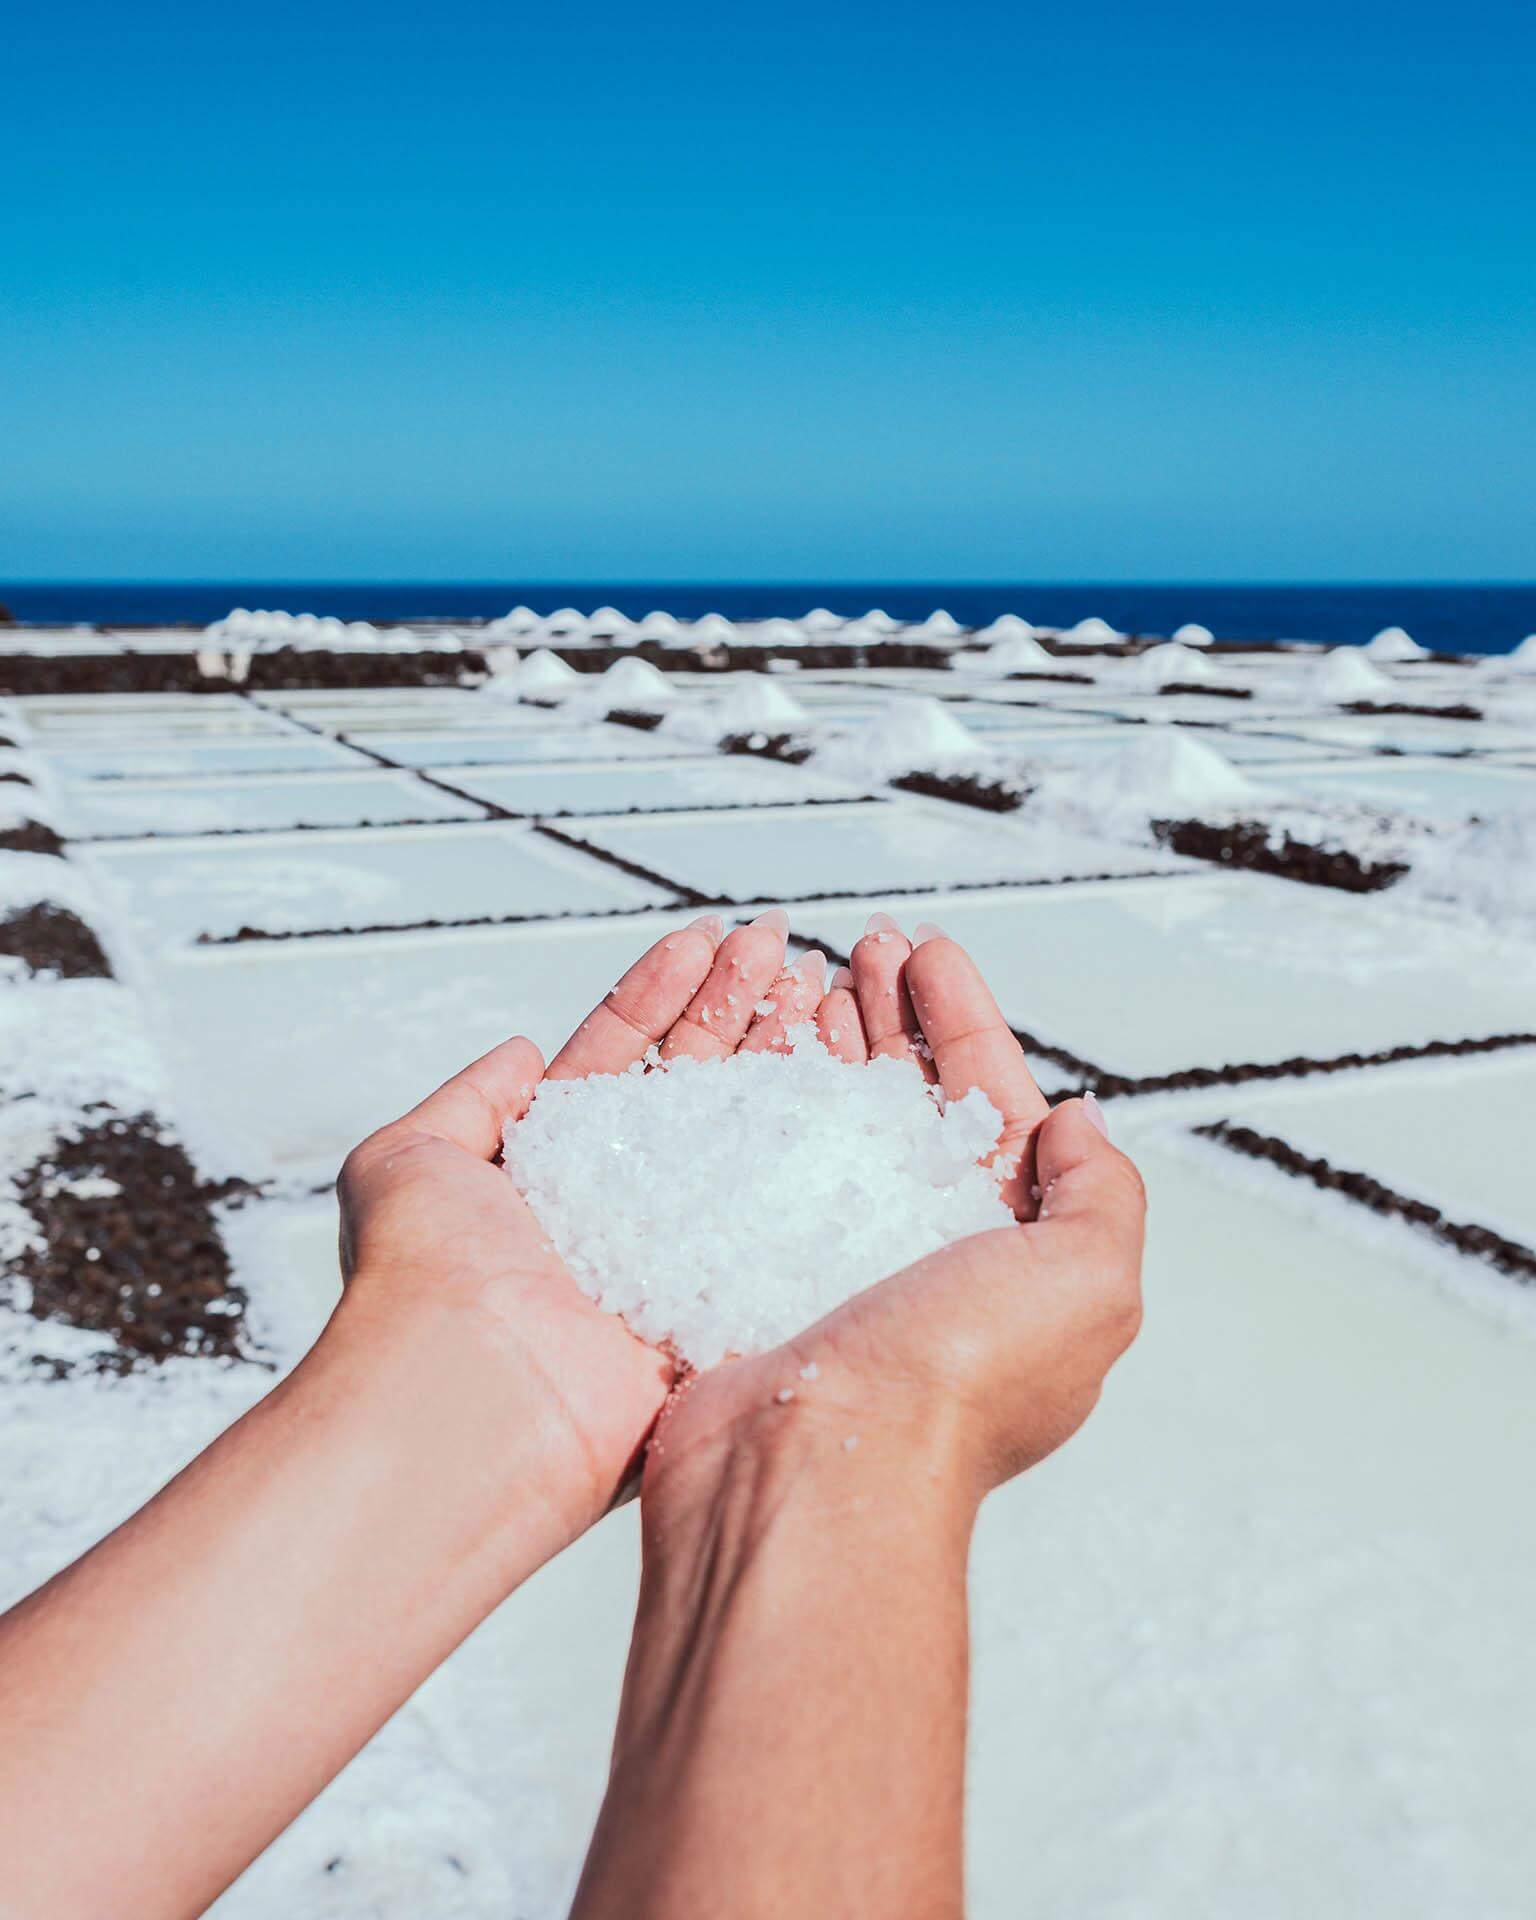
[726,1205]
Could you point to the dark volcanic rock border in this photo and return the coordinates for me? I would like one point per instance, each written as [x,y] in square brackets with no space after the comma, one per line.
[1247,845]
[1509,1256]
[49,938]
[966,790]
[32,836]
[146,1265]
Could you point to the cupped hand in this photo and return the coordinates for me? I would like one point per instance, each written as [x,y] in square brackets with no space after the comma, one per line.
[430,1225]
[989,1353]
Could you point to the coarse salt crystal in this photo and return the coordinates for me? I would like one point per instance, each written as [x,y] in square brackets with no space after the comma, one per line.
[727,1204]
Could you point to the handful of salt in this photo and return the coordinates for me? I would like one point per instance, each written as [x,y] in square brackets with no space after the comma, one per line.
[725,1205]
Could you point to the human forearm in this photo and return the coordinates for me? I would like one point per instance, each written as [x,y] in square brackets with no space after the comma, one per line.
[793,1729]
[199,1676]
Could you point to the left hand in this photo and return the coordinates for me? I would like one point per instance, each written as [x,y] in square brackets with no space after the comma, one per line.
[430,1225]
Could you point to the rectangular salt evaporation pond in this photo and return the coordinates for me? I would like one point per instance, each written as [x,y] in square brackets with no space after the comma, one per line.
[547,739]
[1148,977]
[1440,789]
[127,809]
[983,716]
[405,716]
[782,854]
[289,1052]
[1449,1132]
[1258,749]
[1205,709]
[281,883]
[89,719]
[646,786]
[1398,733]
[279,753]
[532,747]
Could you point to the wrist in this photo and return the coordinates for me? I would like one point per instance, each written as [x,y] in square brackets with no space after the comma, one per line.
[862,1455]
[459,1388]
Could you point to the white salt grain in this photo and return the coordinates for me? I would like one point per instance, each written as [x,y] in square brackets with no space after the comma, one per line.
[784,1396]
[810,1371]
[728,1204]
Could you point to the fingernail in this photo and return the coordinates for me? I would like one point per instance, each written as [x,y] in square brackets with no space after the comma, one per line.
[842,977]
[710,924]
[813,966]
[1095,1114]
[776,918]
[881,923]
[926,930]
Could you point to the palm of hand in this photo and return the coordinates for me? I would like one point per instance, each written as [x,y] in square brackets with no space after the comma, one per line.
[427,1213]
[998,1343]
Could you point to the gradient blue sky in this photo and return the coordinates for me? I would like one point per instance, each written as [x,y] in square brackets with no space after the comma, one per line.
[861,291]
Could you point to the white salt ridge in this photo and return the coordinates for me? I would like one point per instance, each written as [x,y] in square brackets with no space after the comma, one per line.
[1192,634]
[724,1206]
[1347,675]
[752,705]
[520,621]
[1523,659]
[1018,653]
[1164,774]
[635,683]
[542,676]
[607,623]
[1393,644]
[1163,666]
[1007,626]
[1092,632]
[917,735]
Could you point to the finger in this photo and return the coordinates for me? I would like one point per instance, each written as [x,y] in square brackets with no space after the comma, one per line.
[716,1020]
[789,1002]
[839,1022]
[1093,1206]
[973,1046]
[890,1025]
[475,1107]
[643,1006]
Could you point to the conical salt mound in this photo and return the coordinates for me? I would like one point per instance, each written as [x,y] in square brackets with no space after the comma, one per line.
[1021,653]
[756,705]
[635,683]
[543,675]
[1167,774]
[1347,675]
[1165,665]
[1393,644]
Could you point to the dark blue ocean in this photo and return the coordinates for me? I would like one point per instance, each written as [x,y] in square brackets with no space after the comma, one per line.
[1461,619]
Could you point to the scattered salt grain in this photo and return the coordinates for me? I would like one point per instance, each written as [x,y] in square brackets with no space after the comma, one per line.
[850,1445]
[728,1204]
[810,1371]
[784,1396]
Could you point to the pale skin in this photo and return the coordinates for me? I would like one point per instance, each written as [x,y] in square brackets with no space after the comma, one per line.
[792,1731]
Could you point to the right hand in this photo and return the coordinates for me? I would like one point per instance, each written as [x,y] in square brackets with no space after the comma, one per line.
[988,1354]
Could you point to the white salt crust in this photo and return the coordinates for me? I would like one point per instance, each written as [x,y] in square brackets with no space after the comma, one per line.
[726,1205]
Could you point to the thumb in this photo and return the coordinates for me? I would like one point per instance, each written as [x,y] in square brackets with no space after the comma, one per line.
[1088,1188]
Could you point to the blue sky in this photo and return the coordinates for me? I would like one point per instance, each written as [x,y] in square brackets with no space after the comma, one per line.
[860,291]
